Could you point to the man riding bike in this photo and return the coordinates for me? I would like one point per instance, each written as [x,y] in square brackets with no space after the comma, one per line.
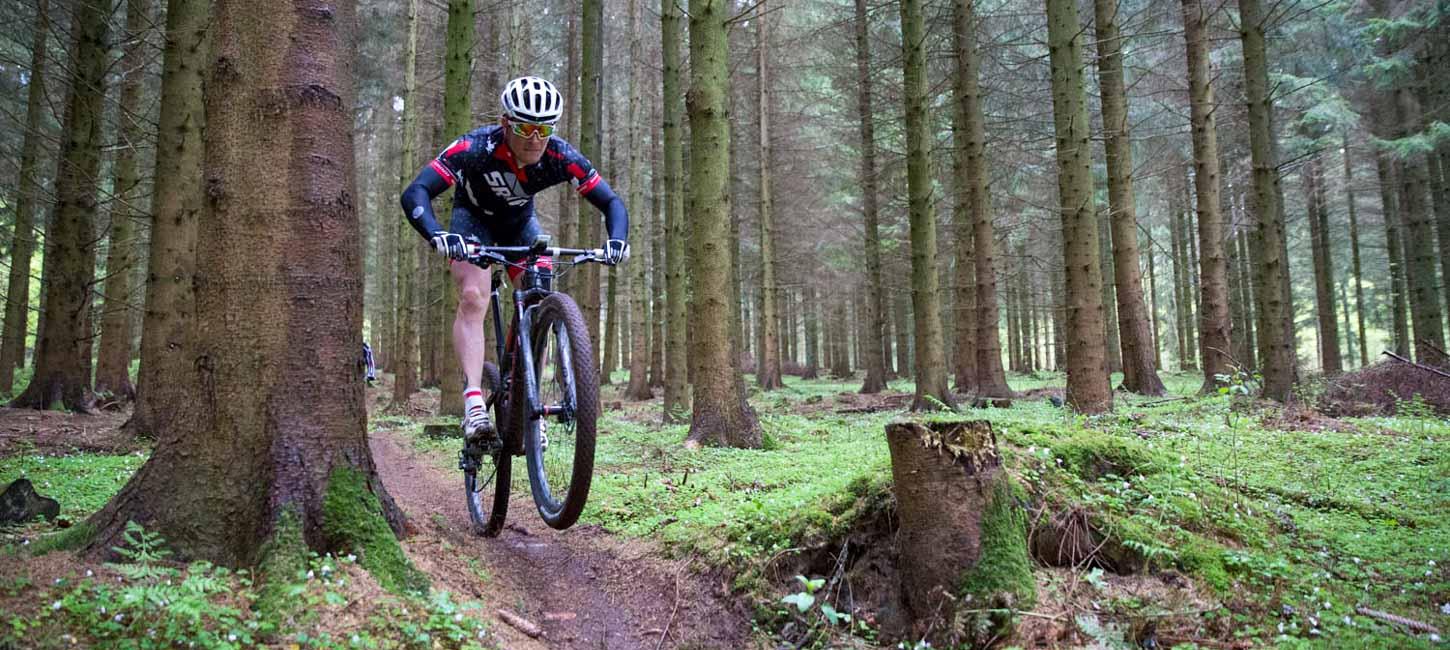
[496,170]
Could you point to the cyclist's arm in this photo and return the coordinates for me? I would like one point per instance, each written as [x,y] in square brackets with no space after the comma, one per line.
[417,199]
[616,218]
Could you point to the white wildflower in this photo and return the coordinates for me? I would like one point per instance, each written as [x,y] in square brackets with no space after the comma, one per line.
[457,618]
[232,637]
[351,557]
[117,618]
[1348,622]
[309,574]
[90,573]
[1445,609]
[55,605]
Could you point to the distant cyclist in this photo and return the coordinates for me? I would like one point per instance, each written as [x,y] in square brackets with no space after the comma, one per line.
[370,368]
[496,171]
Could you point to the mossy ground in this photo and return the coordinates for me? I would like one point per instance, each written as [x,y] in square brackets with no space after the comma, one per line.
[1282,527]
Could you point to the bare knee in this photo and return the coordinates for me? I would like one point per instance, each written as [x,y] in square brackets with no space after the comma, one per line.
[472,300]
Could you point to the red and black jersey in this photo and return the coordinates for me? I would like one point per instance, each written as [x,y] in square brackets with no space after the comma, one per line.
[492,186]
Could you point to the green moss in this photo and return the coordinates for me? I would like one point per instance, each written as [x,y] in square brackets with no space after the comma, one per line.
[1003,574]
[284,562]
[353,520]
[67,540]
[1205,560]
[1093,455]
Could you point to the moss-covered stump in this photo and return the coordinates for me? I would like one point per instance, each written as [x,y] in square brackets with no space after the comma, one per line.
[962,541]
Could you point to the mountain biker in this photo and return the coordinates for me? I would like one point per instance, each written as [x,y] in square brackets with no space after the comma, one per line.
[495,171]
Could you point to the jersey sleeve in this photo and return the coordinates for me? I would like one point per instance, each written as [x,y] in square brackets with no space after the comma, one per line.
[451,162]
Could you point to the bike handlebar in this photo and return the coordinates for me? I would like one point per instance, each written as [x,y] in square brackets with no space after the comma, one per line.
[486,254]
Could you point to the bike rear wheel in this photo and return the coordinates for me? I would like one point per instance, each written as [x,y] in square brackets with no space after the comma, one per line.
[487,472]
[560,443]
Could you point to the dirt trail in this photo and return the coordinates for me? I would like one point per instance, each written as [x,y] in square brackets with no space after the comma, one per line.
[584,587]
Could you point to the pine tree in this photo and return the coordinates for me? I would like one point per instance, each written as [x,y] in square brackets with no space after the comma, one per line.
[22,241]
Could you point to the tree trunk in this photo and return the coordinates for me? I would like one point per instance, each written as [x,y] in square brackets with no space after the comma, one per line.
[901,311]
[1419,239]
[405,371]
[1153,305]
[1440,190]
[1329,357]
[1181,293]
[963,537]
[813,335]
[276,437]
[457,120]
[611,329]
[22,242]
[113,365]
[676,401]
[930,361]
[1354,253]
[1112,344]
[567,225]
[1213,318]
[966,161]
[638,291]
[876,337]
[1246,277]
[585,284]
[63,351]
[657,265]
[1087,379]
[1390,208]
[767,361]
[1139,369]
[1274,314]
[721,416]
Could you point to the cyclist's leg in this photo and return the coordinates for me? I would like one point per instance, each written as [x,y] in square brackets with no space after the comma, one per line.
[468,321]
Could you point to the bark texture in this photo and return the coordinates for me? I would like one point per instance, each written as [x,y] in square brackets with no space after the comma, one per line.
[405,371]
[1087,378]
[63,350]
[1329,358]
[1274,314]
[1140,375]
[638,293]
[113,363]
[277,428]
[962,536]
[22,240]
[965,163]
[767,362]
[931,376]
[676,401]
[1213,318]
[721,416]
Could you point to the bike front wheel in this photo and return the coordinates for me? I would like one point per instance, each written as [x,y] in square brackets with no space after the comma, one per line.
[559,442]
[487,472]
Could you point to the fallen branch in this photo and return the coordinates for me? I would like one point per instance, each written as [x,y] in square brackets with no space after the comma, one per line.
[1397,620]
[519,623]
[1426,368]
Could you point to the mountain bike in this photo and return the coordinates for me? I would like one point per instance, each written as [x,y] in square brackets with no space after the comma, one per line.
[545,395]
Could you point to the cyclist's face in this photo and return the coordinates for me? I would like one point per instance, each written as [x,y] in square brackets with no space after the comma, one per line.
[527,151]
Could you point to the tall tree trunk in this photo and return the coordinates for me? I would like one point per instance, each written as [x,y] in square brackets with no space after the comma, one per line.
[1112,343]
[167,344]
[22,241]
[1440,190]
[1181,318]
[1087,378]
[1329,357]
[1274,313]
[113,366]
[767,363]
[638,292]
[279,408]
[567,199]
[457,120]
[965,162]
[901,310]
[1246,278]
[611,328]
[991,379]
[1354,253]
[1153,306]
[657,264]
[1419,238]
[1213,318]
[721,416]
[813,334]
[63,350]
[676,401]
[1390,208]
[585,284]
[931,376]
[1139,370]
[876,328]
[405,371]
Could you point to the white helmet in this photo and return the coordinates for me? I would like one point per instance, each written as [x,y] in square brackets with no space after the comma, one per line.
[531,99]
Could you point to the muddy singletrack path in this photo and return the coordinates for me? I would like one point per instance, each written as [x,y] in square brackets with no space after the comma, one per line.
[584,587]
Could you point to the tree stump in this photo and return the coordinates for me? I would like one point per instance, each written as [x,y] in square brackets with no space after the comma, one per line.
[962,540]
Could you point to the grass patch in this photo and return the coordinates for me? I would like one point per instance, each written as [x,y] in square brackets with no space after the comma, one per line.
[82,483]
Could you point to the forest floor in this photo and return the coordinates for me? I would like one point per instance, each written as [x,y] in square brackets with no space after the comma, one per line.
[1218,523]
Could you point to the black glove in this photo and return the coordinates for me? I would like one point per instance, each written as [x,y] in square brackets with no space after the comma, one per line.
[449,245]
[616,251]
